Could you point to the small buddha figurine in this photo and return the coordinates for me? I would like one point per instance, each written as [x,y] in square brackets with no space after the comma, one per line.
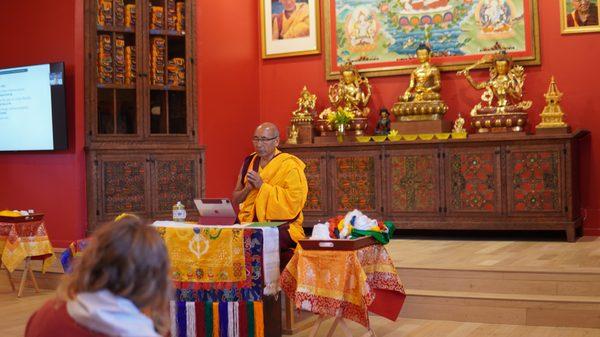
[352,92]
[306,107]
[459,125]
[383,125]
[293,135]
[502,106]
[422,99]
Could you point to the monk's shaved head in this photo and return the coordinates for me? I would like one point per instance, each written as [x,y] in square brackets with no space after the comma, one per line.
[267,130]
[266,140]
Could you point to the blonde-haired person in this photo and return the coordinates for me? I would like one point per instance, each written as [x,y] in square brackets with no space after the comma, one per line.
[119,287]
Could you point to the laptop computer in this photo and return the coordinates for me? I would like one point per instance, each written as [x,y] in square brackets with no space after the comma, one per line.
[215,211]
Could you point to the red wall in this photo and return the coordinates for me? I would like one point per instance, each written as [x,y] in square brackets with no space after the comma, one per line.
[54,183]
[571,59]
[227,50]
[47,31]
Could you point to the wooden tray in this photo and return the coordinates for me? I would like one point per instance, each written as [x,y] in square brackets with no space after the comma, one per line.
[333,244]
[28,218]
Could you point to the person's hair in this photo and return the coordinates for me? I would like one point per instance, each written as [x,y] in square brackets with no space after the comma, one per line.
[424,46]
[128,258]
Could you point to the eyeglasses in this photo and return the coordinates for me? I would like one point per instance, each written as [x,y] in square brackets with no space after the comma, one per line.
[263,140]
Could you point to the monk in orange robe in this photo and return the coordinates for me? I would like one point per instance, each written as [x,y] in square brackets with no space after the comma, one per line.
[272,186]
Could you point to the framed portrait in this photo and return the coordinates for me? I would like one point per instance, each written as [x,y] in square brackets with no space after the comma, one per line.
[289,27]
[380,37]
[579,16]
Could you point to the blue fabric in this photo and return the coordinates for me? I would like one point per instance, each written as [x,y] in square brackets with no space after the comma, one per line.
[223,319]
[181,320]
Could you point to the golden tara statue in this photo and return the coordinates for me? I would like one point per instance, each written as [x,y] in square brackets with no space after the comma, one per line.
[422,100]
[352,92]
[306,107]
[552,116]
[502,107]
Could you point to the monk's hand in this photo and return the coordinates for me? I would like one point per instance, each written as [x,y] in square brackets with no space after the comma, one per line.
[255,179]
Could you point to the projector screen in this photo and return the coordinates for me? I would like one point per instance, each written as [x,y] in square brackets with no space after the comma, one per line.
[32,108]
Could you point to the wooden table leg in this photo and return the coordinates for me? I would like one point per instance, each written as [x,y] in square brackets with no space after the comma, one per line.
[24,276]
[10,281]
[316,326]
[33,280]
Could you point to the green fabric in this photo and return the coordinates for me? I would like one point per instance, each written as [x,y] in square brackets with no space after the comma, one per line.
[382,237]
[266,224]
[250,311]
[208,318]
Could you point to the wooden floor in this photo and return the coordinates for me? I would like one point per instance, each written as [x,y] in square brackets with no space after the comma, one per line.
[458,288]
[583,255]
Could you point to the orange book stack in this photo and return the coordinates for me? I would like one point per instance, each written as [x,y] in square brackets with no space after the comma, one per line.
[130,65]
[158,18]
[180,9]
[171,15]
[105,60]
[157,61]
[105,11]
[130,16]
[119,8]
[119,59]
[176,72]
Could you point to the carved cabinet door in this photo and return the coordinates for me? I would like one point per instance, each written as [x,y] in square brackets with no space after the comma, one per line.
[413,182]
[122,182]
[316,206]
[175,177]
[536,179]
[473,181]
[356,181]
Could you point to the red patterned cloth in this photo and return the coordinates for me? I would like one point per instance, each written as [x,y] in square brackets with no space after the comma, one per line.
[345,283]
[24,239]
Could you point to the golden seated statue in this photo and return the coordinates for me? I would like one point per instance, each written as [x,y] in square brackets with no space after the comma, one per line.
[502,107]
[352,92]
[422,100]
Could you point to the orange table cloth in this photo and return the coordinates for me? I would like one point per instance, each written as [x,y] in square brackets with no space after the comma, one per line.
[348,284]
[21,240]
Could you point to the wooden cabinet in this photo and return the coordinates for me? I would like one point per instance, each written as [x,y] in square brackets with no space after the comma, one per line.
[356,179]
[536,180]
[147,184]
[473,185]
[412,188]
[142,147]
[316,177]
[508,183]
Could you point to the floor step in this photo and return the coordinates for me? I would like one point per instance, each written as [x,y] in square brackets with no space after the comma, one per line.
[518,309]
[561,283]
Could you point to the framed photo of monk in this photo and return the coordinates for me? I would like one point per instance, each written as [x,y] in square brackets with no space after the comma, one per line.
[380,37]
[289,27]
[579,16]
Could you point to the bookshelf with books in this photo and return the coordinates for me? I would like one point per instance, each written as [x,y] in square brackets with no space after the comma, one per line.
[140,107]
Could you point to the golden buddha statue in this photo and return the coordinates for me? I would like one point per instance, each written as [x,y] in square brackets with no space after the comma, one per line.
[352,93]
[306,107]
[502,107]
[422,100]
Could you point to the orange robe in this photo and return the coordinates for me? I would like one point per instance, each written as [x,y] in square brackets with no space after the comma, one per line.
[282,195]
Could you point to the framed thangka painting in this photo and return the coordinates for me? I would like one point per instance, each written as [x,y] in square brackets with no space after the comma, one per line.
[381,36]
[289,27]
[579,16]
